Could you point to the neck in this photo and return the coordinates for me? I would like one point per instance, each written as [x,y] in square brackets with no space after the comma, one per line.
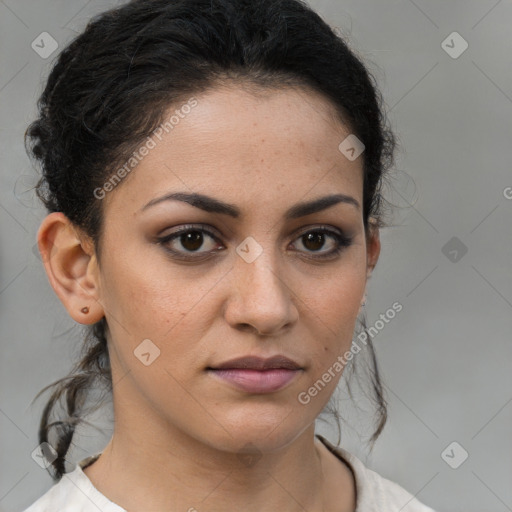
[189,475]
[152,464]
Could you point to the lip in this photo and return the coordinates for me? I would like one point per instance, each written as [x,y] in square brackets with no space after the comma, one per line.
[258,363]
[254,374]
[257,381]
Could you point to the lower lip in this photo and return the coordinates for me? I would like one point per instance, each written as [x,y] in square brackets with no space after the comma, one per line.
[257,381]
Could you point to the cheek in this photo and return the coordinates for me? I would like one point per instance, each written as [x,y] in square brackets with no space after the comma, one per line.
[333,310]
[336,301]
[148,298]
[146,291]
[343,309]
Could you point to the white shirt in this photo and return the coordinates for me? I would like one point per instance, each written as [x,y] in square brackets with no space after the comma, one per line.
[75,492]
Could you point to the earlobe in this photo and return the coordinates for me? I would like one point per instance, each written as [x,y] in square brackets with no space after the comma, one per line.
[373,247]
[71,267]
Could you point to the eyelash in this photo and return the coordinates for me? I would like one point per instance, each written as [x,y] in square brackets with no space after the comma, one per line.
[342,241]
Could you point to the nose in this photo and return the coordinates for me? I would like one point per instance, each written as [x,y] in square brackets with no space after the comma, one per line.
[261,300]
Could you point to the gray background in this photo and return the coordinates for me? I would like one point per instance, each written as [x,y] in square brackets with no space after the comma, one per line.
[445,357]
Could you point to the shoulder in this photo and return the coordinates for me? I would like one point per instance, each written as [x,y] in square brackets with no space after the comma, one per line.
[63,496]
[377,492]
[56,496]
[374,492]
[72,493]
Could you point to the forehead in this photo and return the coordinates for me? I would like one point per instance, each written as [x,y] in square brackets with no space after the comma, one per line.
[252,149]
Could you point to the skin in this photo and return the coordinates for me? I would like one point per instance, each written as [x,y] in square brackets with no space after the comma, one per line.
[179,431]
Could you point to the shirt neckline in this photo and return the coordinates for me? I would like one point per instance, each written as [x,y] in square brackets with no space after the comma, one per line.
[354,464]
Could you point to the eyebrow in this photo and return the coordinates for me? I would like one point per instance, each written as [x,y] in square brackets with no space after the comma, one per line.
[212,205]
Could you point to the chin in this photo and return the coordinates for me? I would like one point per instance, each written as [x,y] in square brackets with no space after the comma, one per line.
[259,432]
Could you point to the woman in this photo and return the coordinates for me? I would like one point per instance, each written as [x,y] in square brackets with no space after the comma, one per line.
[212,173]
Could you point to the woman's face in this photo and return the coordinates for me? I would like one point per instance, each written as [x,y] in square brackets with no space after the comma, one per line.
[250,283]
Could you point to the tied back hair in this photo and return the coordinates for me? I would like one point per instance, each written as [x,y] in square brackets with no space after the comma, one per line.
[110,88]
[93,368]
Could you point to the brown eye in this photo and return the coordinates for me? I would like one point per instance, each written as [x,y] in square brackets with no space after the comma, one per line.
[192,241]
[187,241]
[314,240]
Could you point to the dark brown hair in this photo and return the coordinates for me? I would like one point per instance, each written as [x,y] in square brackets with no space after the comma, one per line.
[110,87]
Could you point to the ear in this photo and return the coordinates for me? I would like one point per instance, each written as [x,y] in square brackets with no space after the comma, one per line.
[71,266]
[372,246]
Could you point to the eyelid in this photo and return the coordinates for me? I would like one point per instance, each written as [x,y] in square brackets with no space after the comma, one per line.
[342,241]
[215,233]
[319,227]
[190,227]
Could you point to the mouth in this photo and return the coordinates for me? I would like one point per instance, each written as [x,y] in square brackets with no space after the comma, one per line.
[257,375]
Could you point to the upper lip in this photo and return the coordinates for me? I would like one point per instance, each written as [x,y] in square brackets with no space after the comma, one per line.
[258,363]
